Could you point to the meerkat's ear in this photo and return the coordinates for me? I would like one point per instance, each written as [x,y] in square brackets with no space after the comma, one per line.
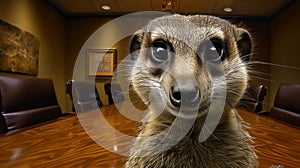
[244,43]
[135,45]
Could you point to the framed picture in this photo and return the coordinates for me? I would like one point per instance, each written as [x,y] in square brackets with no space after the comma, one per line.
[101,62]
[19,50]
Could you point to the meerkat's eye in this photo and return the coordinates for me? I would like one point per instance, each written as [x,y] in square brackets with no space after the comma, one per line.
[160,51]
[214,50]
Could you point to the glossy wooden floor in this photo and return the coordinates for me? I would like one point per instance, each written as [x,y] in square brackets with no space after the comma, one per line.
[64,143]
[277,143]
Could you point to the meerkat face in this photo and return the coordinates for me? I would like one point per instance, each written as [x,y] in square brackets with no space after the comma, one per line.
[184,61]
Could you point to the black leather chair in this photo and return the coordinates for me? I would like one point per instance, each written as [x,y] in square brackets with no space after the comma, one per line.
[287,104]
[253,98]
[113,92]
[26,101]
[84,95]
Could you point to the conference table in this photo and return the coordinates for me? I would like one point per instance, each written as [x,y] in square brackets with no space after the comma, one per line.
[75,141]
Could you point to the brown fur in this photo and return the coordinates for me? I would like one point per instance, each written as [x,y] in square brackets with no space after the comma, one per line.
[229,144]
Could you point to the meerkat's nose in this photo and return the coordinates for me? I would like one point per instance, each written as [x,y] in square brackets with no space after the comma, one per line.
[186,95]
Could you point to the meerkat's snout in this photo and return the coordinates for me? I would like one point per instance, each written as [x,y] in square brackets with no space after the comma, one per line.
[186,95]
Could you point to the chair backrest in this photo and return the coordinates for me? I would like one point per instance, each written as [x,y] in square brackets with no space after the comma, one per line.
[114,92]
[288,97]
[287,104]
[27,101]
[255,93]
[84,95]
[253,98]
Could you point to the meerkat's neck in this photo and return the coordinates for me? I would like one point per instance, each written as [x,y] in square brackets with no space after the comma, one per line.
[228,144]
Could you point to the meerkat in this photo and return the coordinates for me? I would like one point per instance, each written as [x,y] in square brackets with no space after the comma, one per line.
[181,63]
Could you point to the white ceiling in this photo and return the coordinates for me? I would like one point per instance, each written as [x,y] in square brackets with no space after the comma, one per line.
[244,8]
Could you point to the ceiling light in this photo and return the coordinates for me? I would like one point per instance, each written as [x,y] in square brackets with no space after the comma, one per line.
[168,5]
[228,9]
[105,7]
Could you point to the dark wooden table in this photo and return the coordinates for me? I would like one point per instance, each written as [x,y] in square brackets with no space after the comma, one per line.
[64,143]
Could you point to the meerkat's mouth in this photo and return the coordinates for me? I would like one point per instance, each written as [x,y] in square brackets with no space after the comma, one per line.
[187,112]
[185,106]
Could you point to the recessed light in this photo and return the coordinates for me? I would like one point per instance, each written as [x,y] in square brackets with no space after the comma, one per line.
[228,9]
[105,7]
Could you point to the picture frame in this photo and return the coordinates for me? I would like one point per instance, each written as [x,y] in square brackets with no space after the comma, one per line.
[19,50]
[101,62]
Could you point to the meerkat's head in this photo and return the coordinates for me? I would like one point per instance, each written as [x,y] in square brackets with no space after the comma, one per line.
[183,60]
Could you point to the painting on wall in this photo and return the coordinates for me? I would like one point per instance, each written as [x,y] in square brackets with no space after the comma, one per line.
[19,50]
[101,62]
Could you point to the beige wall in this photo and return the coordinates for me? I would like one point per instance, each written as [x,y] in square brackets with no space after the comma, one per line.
[284,47]
[78,32]
[39,19]
[61,39]
[259,72]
